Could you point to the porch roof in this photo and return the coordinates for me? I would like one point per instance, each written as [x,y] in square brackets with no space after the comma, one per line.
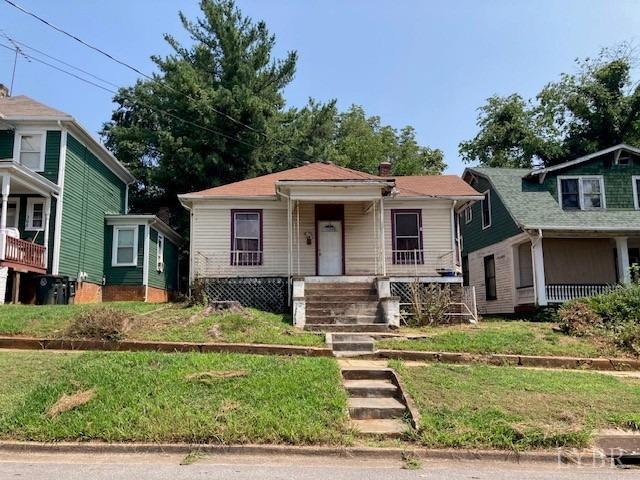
[25,177]
[533,207]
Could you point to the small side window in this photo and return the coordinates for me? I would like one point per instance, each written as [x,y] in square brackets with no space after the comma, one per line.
[125,246]
[35,214]
[486,210]
[490,278]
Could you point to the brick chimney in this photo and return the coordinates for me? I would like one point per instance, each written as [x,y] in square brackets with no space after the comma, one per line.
[384,169]
[4,91]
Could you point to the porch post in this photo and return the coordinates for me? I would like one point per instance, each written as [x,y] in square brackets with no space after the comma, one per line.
[47,217]
[3,221]
[382,239]
[624,275]
[5,200]
[4,271]
[537,256]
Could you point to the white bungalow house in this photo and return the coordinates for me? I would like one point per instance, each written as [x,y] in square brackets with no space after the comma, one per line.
[334,243]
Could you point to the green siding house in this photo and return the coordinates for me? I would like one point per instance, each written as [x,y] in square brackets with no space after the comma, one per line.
[545,236]
[65,213]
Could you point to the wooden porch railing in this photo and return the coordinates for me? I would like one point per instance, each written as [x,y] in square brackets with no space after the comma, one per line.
[24,253]
[559,293]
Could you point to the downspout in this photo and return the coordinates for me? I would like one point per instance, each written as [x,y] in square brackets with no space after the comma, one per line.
[456,254]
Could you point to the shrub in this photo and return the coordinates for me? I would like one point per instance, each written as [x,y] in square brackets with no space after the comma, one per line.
[100,324]
[620,305]
[579,319]
[429,303]
[627,336]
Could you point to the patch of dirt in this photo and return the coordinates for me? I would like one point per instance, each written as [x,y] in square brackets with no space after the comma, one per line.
[69,402]
[211,376]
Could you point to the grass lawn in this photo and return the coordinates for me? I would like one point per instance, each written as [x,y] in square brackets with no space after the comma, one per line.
[148,397]
[500,336]
[510,408]
[167,322]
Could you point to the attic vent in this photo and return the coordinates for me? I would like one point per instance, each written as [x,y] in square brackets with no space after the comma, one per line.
[624,160]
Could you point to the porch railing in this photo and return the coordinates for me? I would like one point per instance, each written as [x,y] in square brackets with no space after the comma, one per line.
[408,263]
[559,293]
[24,252]
[422,262]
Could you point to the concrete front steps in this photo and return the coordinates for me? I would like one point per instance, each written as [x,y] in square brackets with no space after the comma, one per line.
[376,402]
[339,306]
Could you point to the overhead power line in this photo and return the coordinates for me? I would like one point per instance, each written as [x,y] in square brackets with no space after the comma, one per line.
[149,77]
[128,100]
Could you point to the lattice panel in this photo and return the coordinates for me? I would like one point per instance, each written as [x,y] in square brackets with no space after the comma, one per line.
[264,293]
[402,290]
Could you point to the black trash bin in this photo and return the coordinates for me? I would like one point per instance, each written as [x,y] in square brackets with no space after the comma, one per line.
[52,290]
[71,290]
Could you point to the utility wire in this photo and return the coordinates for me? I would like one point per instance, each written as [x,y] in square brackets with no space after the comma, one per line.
[133,102]
[149,77]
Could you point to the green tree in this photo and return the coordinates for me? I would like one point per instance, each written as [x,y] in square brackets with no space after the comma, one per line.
[362,142]
[228,68]
[595,108]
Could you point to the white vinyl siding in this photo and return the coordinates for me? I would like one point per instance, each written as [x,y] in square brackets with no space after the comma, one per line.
[211,236]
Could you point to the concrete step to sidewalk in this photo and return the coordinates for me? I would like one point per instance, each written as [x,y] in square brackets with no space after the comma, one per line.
[361,408]
[366,374]
[393,427]
[370,388]
[350,342]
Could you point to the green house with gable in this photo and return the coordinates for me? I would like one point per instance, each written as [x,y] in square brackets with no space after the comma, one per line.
[64,212]
[545,236]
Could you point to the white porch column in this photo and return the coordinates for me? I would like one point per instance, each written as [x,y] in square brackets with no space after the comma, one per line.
[383,248]
[624,275]
[47,218]
[5,199]
[6,183]
[537,257]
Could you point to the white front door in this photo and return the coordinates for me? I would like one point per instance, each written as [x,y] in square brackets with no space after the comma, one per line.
[329,247]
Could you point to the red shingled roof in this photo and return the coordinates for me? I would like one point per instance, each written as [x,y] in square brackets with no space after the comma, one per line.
[434,185]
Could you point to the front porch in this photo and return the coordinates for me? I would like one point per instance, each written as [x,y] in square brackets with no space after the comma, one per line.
[555,269]
[25,221]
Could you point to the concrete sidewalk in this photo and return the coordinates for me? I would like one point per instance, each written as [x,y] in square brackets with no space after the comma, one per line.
[54,466]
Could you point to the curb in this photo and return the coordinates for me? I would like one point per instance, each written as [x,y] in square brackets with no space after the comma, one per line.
[574,363]
[24,343]
[348,452]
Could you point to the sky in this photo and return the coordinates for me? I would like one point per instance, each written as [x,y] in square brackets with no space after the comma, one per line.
[429,64]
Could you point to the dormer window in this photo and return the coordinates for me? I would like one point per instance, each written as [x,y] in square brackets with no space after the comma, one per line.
[581,193]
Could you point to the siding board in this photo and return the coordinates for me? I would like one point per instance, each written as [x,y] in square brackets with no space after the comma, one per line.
[90,191]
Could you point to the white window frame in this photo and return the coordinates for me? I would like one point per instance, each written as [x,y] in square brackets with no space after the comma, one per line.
[468,214]
[160,252]
[635,179]
[10,201]
[31,202]
[580,179]
[487,198]
[114,246]
[17,147]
